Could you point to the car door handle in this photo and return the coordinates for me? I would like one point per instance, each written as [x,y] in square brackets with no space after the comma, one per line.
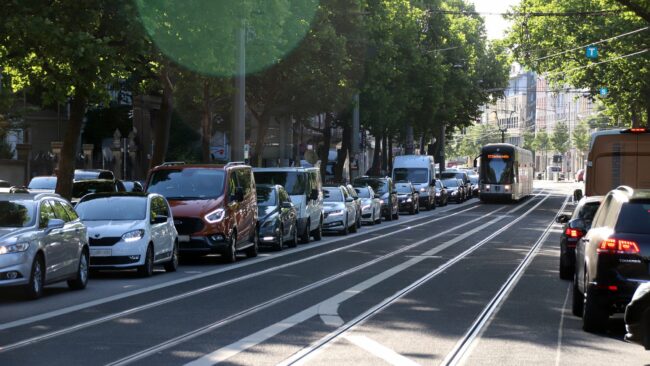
[586,240]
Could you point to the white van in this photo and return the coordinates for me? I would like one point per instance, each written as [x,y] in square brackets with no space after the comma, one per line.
[421,171]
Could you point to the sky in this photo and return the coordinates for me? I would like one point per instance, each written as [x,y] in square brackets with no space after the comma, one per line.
[494,24]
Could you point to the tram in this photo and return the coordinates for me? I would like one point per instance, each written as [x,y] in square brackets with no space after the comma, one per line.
[506,172]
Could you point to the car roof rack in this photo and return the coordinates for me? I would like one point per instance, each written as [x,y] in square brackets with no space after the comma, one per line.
[234,163]
[626,189]
[172,163]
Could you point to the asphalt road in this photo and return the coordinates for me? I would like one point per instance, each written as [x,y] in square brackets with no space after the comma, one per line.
[470,284]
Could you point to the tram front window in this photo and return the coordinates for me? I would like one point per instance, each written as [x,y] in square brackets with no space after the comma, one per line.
[498,169]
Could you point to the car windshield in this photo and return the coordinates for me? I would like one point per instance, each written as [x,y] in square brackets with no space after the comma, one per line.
[82,188]
[588,211]
[332,195]
[473,179]
[414,175]
[266,196]
[634,218]
[498,168]
[294,182]
[451,183]
[18,213]
[113,208]
[377,185]
[42,183]
[404,189]
[363,192]
[188,183]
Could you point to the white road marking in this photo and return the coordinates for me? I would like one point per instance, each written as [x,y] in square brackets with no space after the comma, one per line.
[328,305]
[250,262]
[464,347]
[210,327]
[560,329]
[381,351]
[305,354]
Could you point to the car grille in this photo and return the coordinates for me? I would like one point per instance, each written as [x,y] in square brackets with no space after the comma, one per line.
[113,261]
[103,242]
[188,225]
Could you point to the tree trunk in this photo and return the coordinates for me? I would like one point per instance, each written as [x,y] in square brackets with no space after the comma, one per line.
[206,124]
[323,151]
[65,174]
[260,140]
[384,153]
[389,163]
[343,154]
[161,130]
[376,157]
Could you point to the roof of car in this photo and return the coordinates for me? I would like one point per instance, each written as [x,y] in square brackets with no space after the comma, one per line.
[116,194]
[180,164]
[590,199]
[284,169]
[27,196]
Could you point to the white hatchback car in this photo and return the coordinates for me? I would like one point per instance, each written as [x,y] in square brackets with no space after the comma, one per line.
[129,230]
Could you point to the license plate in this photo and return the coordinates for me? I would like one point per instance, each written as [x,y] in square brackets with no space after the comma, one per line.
[183,238]
[100,252]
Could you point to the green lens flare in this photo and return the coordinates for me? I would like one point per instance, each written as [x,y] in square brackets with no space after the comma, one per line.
[202,35]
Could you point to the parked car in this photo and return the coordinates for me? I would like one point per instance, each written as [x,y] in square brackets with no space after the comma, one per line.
[473,179]
[277,217]
[81,188]
[42,241]
[637,317]
[129,230]
[420,171]
[370,205]
[575,227]
[454,189]
[580,175]
[86,174]
[214,207]
[339,210]
[133,186]
[357,202]
[442,196]
[384,190]
[42,184]
[408,197]
[462,175]
[304,188]
[611,259]
[4,184]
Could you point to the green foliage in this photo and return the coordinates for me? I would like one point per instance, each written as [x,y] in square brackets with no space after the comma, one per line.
[542,141]
[475,138]
[581,136]
[536,42]
[529,140]
[560,139]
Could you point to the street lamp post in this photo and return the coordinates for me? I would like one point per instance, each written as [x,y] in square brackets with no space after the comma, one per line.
[503,130]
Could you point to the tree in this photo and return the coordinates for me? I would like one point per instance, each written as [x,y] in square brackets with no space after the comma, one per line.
[539,42]
[476,137]
[71,60]
[560,140]
[529,140]
[581,137]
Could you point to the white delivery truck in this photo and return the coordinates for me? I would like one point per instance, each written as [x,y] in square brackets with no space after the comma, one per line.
[420,170]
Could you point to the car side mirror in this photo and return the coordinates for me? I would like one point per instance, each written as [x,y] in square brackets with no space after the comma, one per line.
[53,224]
[314,195]
[287,205]
[577,194]
[239,194]
[160,219]
[563,219]
[349,199]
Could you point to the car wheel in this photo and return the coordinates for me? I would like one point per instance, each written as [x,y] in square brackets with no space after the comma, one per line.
[318,233]
[146,270]
[251,252]
[645,341]
[34,288]
[230,255]
[566,269]
[378,218]
[594,312]
[80,280]
[345,230]
[396,216]
[372,218]
[172,264]
[413,211]
[389,217]
[354,229]
[578,299]
[304,238]
[294,242]
[358,223]
[279,245]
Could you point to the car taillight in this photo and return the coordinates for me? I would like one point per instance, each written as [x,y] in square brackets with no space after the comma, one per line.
[618,246]
[637,130]
[573,233]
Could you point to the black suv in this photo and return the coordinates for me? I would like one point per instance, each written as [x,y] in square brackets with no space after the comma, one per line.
[384,190]
[613,257]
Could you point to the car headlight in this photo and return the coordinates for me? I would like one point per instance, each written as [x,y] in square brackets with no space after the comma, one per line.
[423,189]
[132,236]
[14,248]
[366,207]
[336,213]
[215,216]
[409,200]
[487,186]
[454,193]
[381,202]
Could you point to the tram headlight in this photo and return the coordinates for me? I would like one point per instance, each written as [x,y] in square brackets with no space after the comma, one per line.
[507,187]
[487,187]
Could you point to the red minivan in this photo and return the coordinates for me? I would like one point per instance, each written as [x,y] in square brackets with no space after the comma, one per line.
[214,206]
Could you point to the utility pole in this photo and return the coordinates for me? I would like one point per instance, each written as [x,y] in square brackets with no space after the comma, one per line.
[238,125]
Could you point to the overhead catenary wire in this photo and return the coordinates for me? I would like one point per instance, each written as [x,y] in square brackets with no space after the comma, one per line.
[533,14]
[598,63]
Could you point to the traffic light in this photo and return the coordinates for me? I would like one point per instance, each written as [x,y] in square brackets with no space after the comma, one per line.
[557,158]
